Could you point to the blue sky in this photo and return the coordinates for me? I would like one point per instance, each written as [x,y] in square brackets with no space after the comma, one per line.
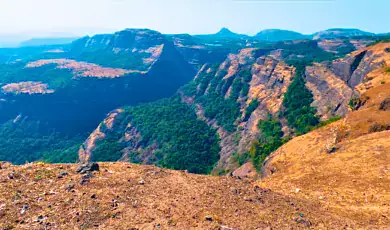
[190,16]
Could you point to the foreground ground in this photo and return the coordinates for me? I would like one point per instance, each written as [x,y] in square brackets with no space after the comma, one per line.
[126,196]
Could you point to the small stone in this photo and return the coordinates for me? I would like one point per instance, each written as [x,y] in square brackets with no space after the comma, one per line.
[39,219]
[11,176]
[69,187]
[321,198]
[87,168]
[208,218]
[24,209]
[93,196]
[62,174]
[141,182]
[297,190]
[85,178]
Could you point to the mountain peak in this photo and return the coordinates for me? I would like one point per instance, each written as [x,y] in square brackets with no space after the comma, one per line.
[225,31]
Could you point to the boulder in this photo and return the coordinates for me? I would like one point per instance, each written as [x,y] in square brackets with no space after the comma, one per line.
[86,168]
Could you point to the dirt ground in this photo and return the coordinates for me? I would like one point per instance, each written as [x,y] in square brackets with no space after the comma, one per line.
[127,196]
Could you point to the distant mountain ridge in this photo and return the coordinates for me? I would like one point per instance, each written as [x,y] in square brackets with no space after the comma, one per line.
[274,35]
[340,32]
[47,41]
[224,33]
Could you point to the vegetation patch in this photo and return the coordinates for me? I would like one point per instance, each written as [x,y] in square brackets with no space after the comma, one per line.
[271,139]
[329,121]
[356,103]
[251,108]
[224,111]
[376,127]
[184,141]
[21,143]
[297,103]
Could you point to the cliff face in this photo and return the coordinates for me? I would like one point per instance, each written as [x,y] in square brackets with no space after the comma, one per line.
[69,92]
[98,79]
[334,84]
[256,75]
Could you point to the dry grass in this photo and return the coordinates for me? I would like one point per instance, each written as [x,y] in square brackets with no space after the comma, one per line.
[115,199]
[353,180]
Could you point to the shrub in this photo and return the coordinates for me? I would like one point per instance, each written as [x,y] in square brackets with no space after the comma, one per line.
[329,121]
[224,111]
[376,127]
[251,107]
[355,103]
[385,105]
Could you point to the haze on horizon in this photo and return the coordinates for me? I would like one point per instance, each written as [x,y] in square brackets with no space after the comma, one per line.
[78,18]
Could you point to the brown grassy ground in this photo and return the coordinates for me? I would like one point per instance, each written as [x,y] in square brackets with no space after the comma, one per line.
[354,179]
[115,199]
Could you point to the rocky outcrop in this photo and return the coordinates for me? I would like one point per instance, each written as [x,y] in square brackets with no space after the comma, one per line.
[83,69]
[268,78]
[341,45]
[29,87]
[334,84]
[340,33]
[331,94]
[85,151]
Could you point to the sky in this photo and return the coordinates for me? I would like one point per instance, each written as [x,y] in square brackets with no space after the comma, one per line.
[82,17]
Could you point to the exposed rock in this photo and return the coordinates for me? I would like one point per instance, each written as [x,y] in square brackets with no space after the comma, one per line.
[87,168]
[28,87]
[69,187]
[245,171]
[86,178]
[84,69]
[62,174]
[85,151]
[208,218]
[24,209]
[331,94]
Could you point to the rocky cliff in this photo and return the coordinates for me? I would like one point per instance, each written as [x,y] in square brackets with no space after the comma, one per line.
[253,83]
[70,92]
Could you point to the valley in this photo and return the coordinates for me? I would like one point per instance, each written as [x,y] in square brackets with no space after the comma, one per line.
[219,131]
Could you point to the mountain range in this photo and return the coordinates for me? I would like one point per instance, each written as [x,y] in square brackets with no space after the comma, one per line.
[272,35]
[293,128]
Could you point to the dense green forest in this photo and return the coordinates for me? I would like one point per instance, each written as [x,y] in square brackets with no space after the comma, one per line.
[271,139]
[297,103]
[297,110]
[225,111]
[22,142]
[184,141]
